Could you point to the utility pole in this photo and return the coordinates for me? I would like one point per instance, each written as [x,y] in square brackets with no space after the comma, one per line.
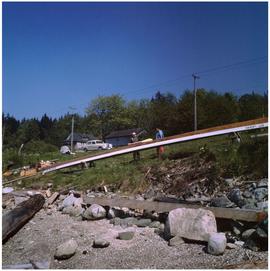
[72,130]
[195,101]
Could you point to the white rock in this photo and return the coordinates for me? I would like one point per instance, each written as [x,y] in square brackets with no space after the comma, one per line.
[193,224]
[68,201]
[95,211]
[7,190]
[78,202]
[216,243]
[110,214]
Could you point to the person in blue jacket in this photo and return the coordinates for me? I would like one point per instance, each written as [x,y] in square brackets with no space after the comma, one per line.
[159,136]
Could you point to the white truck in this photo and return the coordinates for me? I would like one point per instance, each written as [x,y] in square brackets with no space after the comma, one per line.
[92,145]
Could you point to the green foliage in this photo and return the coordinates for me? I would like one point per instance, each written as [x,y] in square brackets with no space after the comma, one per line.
[39,147]
[111,113]
[108,113]
[253,106]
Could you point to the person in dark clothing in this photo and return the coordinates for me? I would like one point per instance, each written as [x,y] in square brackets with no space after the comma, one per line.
[136,154]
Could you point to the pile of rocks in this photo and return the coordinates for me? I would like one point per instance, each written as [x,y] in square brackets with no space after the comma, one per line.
[176,227]
[244,195]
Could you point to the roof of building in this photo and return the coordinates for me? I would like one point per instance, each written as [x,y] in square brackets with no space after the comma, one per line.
[124,133]
[79,137]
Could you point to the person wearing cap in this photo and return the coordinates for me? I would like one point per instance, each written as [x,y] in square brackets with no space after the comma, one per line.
[134,139]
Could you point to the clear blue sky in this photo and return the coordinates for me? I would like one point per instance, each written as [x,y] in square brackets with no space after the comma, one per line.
[57,55]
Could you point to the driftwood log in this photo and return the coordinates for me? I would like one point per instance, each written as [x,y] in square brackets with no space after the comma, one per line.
[20,215]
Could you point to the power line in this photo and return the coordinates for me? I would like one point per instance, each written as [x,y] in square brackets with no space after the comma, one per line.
[247,62]
[218,68]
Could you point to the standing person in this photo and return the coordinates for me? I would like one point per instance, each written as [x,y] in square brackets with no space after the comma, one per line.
[159,135]
[134,139]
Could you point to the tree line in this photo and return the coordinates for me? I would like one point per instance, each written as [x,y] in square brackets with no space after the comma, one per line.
[105,114]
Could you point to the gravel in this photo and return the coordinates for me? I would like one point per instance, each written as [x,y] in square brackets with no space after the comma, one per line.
[39,238]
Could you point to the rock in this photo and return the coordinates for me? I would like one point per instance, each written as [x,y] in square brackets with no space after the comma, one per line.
[161,227]
[247,233]
[231,246]
[194,224]
[110,214]
[142,222]
[49,185]
[216,243]
[94,212]
[261,233]
[262,205]
[239,243]
[260,193]
[118,212]
[176,241]
[229,182]
[126,235]
[68,201]
[139,197]
[250,204]
[100,243]
[127,222]
[154,224]
[7,190]
[116,221]
[66,250]
[78,202]
[73,210]
[247,194]
[257,241]
[62,197]
[238,227]
[263,183]
[150,194]
[151,215]
[235,195]
[223,202]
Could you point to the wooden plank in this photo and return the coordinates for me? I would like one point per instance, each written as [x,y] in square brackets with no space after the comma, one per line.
[163,207]
[214,131]
[20,215]
[52,199]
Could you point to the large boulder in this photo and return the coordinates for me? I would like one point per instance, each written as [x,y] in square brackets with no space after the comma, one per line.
[193,224]
[94,212]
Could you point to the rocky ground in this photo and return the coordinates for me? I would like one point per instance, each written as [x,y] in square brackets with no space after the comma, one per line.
[67,233]
[38,240]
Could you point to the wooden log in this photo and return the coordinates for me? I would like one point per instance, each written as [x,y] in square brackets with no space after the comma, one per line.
[163,207]
[19,216]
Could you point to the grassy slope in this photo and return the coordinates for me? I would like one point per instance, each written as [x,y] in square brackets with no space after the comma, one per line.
[231,160]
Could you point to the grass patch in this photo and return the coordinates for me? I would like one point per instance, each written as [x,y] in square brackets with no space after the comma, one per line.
[231,159]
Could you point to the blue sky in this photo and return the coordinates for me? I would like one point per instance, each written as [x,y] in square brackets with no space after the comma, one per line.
[57,55]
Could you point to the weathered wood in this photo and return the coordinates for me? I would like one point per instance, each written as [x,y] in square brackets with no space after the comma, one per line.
[52,199]
[20,215]
[163,207]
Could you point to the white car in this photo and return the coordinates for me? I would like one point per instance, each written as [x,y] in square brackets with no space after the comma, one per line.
[92,145]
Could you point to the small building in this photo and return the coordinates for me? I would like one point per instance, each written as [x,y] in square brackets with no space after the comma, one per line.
[122,137]
[78,140]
